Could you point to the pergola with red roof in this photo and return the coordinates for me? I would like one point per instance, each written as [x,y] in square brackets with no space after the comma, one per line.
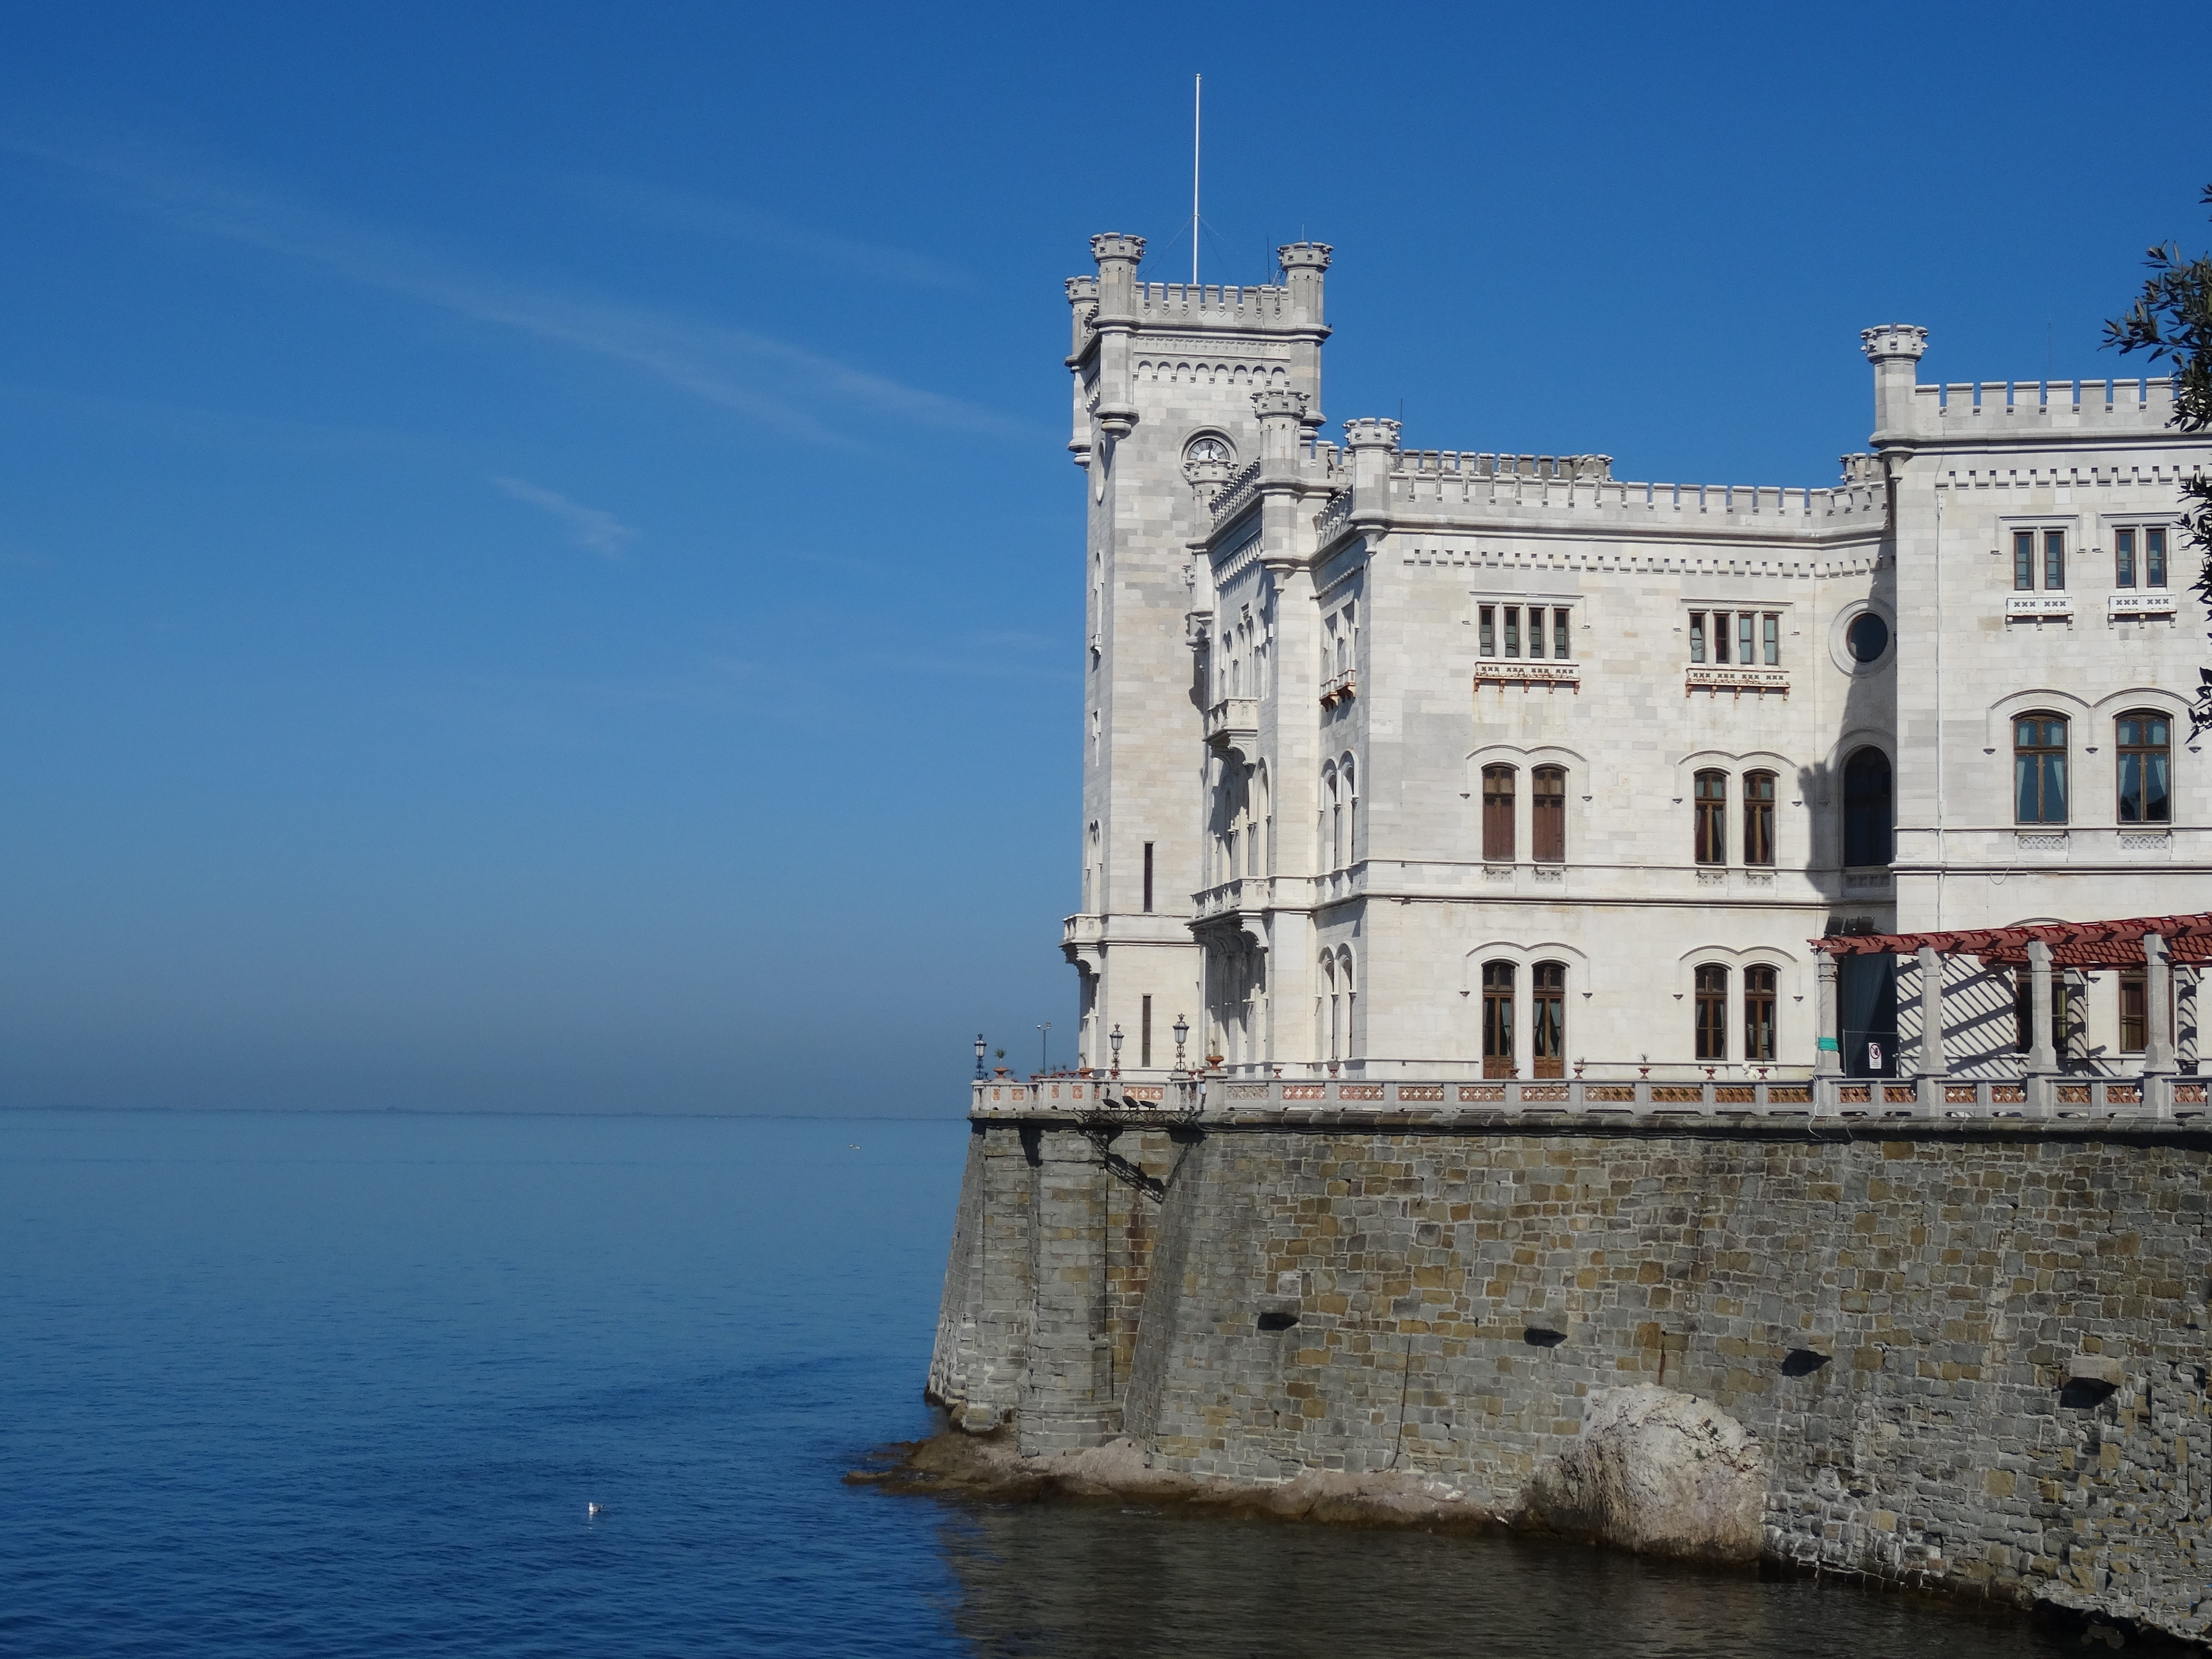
[2151,943]
[2072,943]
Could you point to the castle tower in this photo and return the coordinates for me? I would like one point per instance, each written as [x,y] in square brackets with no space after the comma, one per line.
[1164,377]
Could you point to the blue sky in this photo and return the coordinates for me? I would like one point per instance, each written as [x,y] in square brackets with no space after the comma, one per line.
[537,563]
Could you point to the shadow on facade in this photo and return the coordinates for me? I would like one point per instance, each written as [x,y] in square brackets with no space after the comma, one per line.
[1851,799]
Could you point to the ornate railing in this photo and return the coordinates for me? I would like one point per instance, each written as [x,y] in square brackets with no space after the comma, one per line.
[2179,1101]
[1232,497]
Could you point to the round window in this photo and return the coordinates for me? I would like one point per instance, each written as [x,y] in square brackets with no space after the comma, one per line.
[1867,637]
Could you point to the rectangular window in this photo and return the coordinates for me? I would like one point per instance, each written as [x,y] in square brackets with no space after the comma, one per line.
[1744,622]
[1560,635]
[2054,561]
[2135,1010]
[1547,814]
[1697,636]
[1759,1013]
[1512,631]
[1497,814]
[2023,561]
[2155,556]
[1759,817]
[1712,1012]
[2039,749]
[1498,1019]
[1711,806]
[2146,753]
[1148,878]
[2023,1005]
[2123,558]
[1488,629]
[1720,636]
[1773,626]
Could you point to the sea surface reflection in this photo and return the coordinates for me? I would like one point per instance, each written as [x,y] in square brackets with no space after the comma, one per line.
[1093,1581]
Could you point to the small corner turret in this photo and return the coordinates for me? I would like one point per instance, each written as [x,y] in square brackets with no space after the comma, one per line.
[1302,264]
[1894,349]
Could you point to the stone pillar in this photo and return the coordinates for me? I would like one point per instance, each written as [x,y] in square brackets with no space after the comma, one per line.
[1931,1066]
[2158,993]
[1828,1049]
[1068,1395]
[2042,1057]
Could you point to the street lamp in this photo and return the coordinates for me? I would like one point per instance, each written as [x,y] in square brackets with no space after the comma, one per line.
[1181,1030]
[978,1056]
[1113,1041]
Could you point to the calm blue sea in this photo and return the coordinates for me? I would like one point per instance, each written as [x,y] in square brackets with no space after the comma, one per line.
[329,1385]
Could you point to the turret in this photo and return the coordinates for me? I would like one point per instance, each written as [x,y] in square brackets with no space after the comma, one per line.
[1302,264]
[1118,257]
[1894,349]
[1281,414]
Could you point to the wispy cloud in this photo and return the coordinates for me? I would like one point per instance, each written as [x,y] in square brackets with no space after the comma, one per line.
[755,374]
[684,211]
[589,527]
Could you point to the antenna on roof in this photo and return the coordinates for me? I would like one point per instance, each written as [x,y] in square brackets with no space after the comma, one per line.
[1197,89]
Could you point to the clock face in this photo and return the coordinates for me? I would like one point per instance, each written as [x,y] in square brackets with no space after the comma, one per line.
[1207,449]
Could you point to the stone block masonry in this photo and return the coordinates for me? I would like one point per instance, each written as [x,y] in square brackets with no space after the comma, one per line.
[1973,1354]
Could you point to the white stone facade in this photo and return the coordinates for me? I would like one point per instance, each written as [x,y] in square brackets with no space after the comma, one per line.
[1303,658]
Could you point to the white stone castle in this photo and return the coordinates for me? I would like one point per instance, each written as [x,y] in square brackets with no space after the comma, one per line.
[1403,762]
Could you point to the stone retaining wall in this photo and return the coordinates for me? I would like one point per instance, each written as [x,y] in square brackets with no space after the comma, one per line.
[1975,1355]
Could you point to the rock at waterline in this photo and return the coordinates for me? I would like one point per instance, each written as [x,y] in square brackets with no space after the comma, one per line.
[1657,1471]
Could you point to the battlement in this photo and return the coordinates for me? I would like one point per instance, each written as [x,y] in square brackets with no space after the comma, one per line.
[1181,304]
[2000,409]
[1766,507]
[1484,464]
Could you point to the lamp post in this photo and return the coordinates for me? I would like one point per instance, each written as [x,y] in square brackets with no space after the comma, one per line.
[978,1056]
[1181,1030]
[1113,1041]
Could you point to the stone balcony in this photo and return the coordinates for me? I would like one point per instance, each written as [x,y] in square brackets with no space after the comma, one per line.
[1234,723]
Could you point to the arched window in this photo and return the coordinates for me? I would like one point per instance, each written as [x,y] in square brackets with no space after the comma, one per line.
[1350,993]
[1867,814]
[2038,769]
[1498,1019]
[2146,746]
[1497,814]
[1759,1013]
[1712,1011]
[1712,818]
[1759,817]
[1547,1018]
[1263,825]
[1547,814]
[1332,819]
[1350,812]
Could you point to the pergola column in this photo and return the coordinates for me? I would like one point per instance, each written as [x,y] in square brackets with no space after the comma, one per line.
[1932,1067]
[1828,1049]
[2158,992]
[2041,1056]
